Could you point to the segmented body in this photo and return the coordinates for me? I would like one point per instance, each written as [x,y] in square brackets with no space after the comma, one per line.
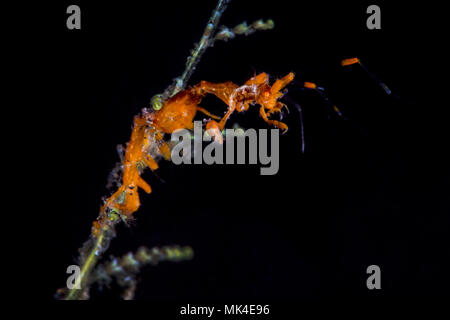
[178,112]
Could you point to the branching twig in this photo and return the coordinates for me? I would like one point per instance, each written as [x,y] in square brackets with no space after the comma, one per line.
[226,34]
[180,82]
[125,269]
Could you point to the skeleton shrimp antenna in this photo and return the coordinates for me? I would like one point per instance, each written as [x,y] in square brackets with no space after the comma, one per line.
[351,61]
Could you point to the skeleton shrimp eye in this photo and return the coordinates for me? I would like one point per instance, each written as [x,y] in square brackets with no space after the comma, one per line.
[156,102]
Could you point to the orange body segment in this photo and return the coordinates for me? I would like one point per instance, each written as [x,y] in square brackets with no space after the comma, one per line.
[310,85]
[350,61]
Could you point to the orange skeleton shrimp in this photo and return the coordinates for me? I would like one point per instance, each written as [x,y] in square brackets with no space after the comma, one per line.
[178,112]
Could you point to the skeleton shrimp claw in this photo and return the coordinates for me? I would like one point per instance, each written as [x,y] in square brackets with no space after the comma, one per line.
[212,127]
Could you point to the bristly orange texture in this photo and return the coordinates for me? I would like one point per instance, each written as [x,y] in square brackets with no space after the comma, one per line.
[176,113]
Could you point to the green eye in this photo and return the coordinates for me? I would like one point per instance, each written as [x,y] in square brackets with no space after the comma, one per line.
[156,102]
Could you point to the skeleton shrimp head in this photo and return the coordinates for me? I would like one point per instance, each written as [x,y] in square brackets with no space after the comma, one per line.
[255,90]
[268,96]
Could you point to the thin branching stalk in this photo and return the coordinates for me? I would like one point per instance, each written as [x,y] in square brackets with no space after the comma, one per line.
[88,265]
[205,41]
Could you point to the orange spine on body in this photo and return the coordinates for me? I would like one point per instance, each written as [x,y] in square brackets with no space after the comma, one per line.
[310,85]
[126,198]
[350,61]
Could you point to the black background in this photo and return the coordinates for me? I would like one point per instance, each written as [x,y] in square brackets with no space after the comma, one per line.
[369,190]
